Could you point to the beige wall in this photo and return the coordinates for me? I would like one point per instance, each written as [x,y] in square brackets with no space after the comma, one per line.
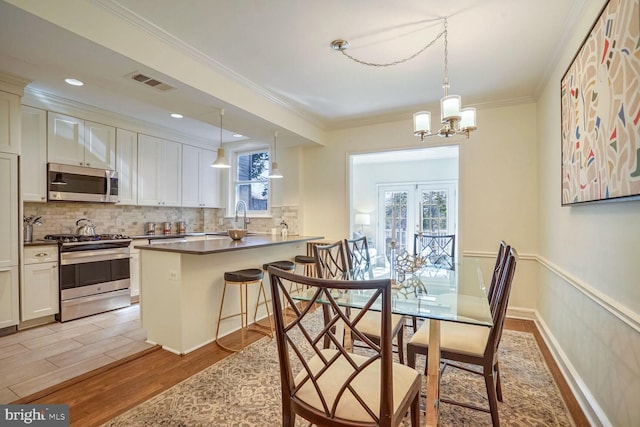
[589,295]
[498,186]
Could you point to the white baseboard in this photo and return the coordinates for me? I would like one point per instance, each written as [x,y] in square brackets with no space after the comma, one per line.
[592,411]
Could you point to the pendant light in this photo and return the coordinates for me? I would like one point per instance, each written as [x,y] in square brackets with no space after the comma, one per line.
[221,162]
[274,171]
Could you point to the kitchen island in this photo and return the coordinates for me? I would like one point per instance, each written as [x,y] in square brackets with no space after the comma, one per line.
[181,285]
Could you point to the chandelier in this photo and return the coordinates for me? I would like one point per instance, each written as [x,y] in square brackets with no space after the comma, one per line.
[455,120]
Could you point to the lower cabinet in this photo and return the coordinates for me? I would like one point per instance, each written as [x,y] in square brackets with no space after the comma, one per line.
[40,288]
[9,315]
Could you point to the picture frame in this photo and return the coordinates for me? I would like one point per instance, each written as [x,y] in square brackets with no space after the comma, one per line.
[600,110]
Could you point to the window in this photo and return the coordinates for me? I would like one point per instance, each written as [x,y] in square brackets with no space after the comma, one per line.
[251,182]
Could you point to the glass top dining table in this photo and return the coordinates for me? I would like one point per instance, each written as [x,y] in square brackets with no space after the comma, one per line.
[428,292]
[433,293]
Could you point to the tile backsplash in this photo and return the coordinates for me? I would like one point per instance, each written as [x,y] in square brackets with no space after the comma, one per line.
[61,217]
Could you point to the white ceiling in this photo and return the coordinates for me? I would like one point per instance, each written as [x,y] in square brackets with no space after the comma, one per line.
[500,51]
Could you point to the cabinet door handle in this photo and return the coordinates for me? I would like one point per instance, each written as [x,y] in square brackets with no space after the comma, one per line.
[54,266]
[41,254]
[88,164]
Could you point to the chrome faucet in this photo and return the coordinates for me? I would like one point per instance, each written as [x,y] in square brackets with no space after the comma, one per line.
[245,220]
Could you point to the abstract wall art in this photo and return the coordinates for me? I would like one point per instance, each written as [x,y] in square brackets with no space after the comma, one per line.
[600,110]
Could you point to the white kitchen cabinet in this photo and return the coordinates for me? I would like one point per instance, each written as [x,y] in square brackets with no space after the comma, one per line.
[159,171]
[9,123]
[127,166]
[39,288]
[199,179]
[73,141]
[9,243]
[33,162]
[9,225]
[9,312]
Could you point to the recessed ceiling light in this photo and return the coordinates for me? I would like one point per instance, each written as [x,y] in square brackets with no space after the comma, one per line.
[237,135]
[74,82]
[176,115]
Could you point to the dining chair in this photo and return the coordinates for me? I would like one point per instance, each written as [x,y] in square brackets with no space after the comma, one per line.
[473,344]
[358,259]
[503,251]
[439,250]
[331,263]
[332,386]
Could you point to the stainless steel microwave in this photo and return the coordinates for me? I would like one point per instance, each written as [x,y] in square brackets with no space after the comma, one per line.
[81,184]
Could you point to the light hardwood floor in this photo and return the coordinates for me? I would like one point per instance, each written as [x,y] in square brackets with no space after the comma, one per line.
[38,358]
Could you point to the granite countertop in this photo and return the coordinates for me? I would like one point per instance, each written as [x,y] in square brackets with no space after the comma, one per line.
[205,247]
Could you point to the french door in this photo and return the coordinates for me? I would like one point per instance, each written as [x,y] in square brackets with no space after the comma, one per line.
[405,209]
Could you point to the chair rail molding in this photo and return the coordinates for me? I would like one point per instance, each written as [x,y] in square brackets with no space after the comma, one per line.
[614,307]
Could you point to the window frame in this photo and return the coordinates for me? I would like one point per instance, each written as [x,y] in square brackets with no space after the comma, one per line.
[233,182]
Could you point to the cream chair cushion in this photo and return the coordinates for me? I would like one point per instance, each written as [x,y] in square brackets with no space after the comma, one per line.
[456,337]
[370,322]
[366,385]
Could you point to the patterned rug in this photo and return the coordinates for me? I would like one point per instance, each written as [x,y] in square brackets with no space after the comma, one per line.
[244,390]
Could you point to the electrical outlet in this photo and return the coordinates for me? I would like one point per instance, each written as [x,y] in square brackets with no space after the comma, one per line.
[118,222]
[220,221]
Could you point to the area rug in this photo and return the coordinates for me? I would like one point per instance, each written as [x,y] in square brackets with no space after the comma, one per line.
[244,390]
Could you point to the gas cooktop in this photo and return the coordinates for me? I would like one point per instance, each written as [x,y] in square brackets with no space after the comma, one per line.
[72,238]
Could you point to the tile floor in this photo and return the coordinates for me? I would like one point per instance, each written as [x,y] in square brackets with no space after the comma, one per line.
[34,359]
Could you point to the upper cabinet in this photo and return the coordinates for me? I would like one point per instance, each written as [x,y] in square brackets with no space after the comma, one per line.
[199,179]
[74,141]
[127,166]
[159,171]
[9,123]
[33,162]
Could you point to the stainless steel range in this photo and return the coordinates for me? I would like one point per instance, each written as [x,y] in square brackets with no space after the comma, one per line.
[94,273]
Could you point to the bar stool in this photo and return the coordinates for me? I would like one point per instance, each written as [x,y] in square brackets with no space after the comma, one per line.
[308,263]
[243,278]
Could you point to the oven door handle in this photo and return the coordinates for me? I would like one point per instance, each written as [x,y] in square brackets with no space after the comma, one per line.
[82,257]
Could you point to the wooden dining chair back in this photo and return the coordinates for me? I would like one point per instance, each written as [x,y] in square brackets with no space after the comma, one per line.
[331,262]
[439,250]
[333,386]
[358,259]
[503,251]
[473,344]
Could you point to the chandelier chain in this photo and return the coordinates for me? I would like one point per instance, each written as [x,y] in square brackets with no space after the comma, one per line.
[400,61]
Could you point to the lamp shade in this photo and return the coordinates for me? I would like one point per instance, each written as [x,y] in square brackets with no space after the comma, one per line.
[362,219]
[422,123]
[450,108]
[468,120]
[275,172]
[220,162]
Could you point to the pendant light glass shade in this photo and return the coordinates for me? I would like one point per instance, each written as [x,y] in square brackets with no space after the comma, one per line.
[221,162]
[421,123]
[274,172]
[468,120]
[450,108]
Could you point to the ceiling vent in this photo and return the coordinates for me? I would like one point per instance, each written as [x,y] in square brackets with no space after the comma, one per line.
[150,81]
